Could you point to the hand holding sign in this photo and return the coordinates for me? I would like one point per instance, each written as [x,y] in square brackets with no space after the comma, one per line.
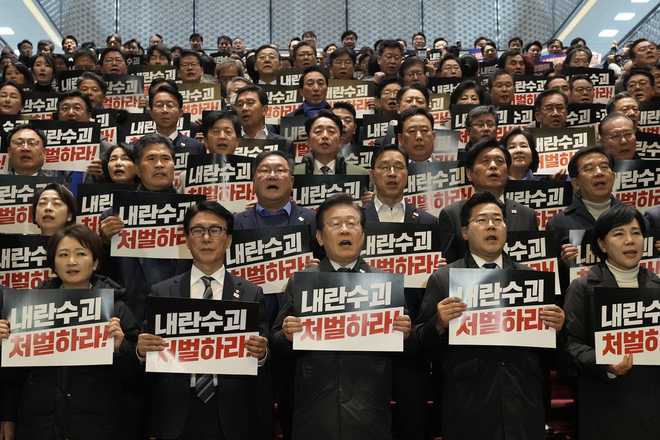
[291,325]
[95,168]
[257,346]
[622,367]
[402,324]
[4,329]
[115,331]
[148,342]
[448,309]
[568,252]
[110,226]
[553,316]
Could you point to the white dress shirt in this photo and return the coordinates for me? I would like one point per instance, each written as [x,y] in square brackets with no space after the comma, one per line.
[386,213]
[197,287]
[480,261]
[318,165]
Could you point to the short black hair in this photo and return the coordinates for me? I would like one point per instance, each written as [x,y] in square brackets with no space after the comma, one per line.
[573,170]
[22,42]
[165,88]
[385,148]
[111,36]
[553,40]
[618,215]
[107,50]
[309,34]
[552,77]
[619,96]
[67,197]
[501,61]
[638,71]
[189,53]
[534,165]
[71,94]
[92,76]
[483,144]
[209,120]
[324,113]
[105,158]
[538,102]
[414,86]
[80,53]
[336,200]
[347,33]
[386,82]
[208,206]
[409,62]
[446,57]
[151,139]
[346,106]
[340,51]
[421,34]
[69,37]
[263,96]
[409,113]
[479,198]
[265,154]
[160,47]
[388,44]
[85,236]
[636,43]
[223,37]
[574,78]
[532,43]
[511,40]
[300,45]
[266,46]
[484,98]
[195,35]
[574,51]
[23,70]
[17,87]
[19,127]
[478,111]
[310,69]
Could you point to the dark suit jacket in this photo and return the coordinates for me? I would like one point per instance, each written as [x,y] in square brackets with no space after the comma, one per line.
[170,395]
[193,145]
[504,385]
[412,215]
[518,218]
[249,219]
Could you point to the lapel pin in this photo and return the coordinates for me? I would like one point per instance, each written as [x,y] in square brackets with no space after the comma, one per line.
[301,219]
[237,293]
[514,211]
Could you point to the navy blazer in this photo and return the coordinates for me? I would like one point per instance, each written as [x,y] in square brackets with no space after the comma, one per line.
[248,219]
[241,416]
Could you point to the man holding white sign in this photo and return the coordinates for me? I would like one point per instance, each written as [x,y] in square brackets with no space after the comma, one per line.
[337,391]
[201,406]
[503,385]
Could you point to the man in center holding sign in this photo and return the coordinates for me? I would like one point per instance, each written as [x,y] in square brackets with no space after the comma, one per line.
[206,406]
[341,390]
[505,386]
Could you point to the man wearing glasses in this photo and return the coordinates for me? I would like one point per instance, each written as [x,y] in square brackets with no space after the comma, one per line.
[190,67]
[338,394]
[182,407]
[617,136]
[551,109]
[165,108]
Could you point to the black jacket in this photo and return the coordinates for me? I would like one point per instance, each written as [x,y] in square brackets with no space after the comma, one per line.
[338,395]
[518,218]
[574,216]
[624,407]
[487,392]
[84,401]
[240,415]
[249,219]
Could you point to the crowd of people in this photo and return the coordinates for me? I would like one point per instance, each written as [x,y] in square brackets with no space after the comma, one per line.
[477,391]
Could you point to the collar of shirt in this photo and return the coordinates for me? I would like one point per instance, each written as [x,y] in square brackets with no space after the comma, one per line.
[263,212]
[197,285]
[318,165]
[336,266]
[394,213]
[261,134]
[480,261]
[173,135]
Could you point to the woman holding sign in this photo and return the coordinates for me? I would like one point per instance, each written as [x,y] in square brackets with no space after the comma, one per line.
[620,400]
[82,401]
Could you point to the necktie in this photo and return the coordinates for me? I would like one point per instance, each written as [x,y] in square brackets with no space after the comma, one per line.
[344,269]
[489,266]
[325,169]
[204,388]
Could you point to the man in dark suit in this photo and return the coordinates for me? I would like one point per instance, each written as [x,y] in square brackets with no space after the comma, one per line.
[487,164]
[389,174]
[338,395]
[503,385]
[273,181]
[178,410]
[251,105]
[166,107]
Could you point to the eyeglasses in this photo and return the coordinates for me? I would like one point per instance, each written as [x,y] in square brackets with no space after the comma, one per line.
[590,169]
[485,221]
[265,171]
[113,60]
[189,65]
[351,224]
[559,108]
[641,83]
[623,135]
[395,167]
[67,108]
[212,231]
[167,105]
[32,143]
[482,124]
[266,57]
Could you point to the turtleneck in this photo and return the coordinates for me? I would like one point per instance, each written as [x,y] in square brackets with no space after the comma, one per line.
[596,208]
[624,277]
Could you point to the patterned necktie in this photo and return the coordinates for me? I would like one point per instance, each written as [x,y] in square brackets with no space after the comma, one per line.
[344,269]
[325,170]
[204,388]
[489,266]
